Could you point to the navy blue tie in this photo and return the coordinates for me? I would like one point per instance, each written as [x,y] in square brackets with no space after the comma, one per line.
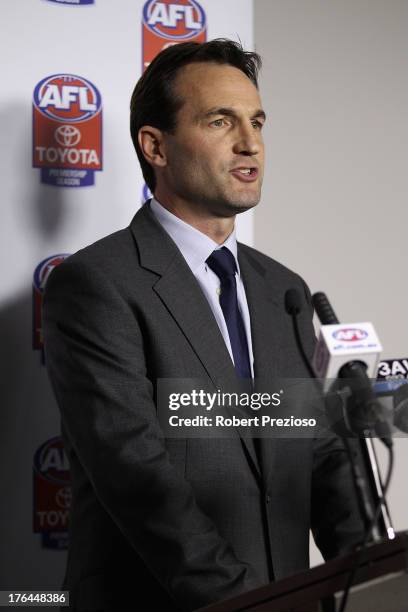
[222,263]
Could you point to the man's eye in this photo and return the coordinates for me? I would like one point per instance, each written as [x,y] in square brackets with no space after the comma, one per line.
[257,124]
[218,122]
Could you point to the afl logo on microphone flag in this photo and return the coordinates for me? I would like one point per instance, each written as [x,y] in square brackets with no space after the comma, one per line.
[350,334]
[52,488]
[67,130]
[169,22]
[41,274]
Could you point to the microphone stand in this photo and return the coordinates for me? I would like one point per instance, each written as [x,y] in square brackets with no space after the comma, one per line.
[368,485]
[366,418]
[385,528]
[363,458]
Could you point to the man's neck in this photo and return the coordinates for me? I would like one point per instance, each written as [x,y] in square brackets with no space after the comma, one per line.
[216,228]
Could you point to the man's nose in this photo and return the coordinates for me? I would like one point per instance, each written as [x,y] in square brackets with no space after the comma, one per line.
[248,140]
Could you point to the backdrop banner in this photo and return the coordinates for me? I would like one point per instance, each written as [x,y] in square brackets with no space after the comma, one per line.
[70,176]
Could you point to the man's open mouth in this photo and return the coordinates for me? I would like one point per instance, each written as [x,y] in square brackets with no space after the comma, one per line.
[245,173]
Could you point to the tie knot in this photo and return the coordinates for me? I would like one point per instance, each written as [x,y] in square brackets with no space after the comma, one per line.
[222,263]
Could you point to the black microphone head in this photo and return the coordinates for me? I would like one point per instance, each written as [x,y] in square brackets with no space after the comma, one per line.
[401,407]
[324,311]
[293,302]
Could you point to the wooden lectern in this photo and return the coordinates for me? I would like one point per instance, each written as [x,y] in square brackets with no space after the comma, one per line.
[380,584]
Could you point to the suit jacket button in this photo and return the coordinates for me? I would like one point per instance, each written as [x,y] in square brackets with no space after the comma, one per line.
[267,499]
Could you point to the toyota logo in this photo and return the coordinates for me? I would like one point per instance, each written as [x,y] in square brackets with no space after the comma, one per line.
[64,497]
[67,135]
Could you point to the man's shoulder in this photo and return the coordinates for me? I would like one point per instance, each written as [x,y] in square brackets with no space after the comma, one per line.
[107,252]
[126,251]
[106,261]
[269,266]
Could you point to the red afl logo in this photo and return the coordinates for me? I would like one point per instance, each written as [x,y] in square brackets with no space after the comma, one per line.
[51,489]
[174,20]
[350,334]
[50,462]
[67,130]
[44,269]
[166,23]
[41,274]
[67,98]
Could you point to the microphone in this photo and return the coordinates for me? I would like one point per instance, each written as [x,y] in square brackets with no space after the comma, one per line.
[401,407]
[323,309]
[355,345]
[293,303]
[293,306]
[350,352]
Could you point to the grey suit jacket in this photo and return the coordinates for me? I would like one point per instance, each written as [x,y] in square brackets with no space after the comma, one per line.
[182,522]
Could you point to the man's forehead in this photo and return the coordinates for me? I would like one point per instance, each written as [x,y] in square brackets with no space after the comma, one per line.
[208,85]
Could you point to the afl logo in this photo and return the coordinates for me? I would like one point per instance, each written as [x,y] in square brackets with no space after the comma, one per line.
[350,334]
[51,463]
[40,277]
[176,21]
[67,98]
[44,269]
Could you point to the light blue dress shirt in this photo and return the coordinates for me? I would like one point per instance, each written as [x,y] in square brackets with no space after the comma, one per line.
[196,247]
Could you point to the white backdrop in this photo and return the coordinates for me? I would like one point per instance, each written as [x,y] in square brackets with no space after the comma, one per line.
[334,204]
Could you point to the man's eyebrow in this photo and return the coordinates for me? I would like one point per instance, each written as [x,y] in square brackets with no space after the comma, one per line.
[229,112]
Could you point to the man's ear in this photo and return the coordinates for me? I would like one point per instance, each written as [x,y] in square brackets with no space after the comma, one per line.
[151,142]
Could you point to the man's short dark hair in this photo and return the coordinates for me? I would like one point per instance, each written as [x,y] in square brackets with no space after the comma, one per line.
[153,100]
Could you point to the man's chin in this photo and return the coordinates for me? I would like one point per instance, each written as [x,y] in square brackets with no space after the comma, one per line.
[241,204]
[231,210]
[228,205]
[247,205]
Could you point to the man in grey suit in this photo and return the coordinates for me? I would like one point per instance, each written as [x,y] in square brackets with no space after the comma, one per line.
[186,522]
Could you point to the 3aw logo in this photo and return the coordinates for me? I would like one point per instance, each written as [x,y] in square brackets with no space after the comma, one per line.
[350,334]
[177,21]
[167,22]
[67,110]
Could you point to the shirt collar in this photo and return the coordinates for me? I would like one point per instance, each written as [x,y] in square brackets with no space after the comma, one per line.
[195,246]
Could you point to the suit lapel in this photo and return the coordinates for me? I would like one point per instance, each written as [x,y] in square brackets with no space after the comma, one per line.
[183,297]
[179,290]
